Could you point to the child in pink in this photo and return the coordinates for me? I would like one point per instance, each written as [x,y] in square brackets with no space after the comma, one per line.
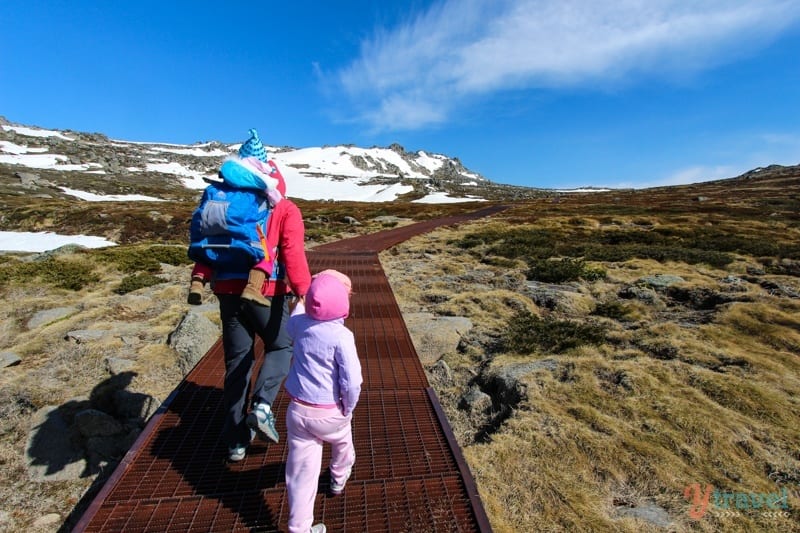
[324,383]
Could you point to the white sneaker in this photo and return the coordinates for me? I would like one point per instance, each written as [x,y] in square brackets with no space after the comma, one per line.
[338,488]
[236,454]
[262,421]
[318,528]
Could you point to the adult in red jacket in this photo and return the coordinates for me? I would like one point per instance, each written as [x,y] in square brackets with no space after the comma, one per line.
[243,319]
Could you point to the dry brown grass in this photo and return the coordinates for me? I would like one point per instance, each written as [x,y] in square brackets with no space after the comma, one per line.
[617,426]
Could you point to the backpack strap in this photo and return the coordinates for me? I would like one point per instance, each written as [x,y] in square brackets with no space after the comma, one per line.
[263,239]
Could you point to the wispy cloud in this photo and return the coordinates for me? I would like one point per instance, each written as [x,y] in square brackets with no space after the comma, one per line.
[414,75]
[764,149]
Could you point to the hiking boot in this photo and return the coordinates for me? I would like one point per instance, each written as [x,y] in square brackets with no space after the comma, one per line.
[319,528]
[262,420]
[252,291]
[338,487]
[195,291]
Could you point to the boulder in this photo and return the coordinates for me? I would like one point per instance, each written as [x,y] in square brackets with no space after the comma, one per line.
[193,337]
[9,359]
[95,423]
[475,401]
[434,335]
[661,282]
[48,316]
[52,453]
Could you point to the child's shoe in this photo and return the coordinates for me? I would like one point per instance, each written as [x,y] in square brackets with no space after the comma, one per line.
[319,528]
[252,291]
[196,291]
[338,487]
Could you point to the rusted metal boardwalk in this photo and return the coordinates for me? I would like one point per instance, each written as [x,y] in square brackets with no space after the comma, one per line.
[409,474]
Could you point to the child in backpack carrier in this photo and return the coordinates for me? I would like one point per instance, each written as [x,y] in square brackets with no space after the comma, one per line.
[250,170]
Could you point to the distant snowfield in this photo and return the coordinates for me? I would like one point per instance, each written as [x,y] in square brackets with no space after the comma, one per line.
[442,198]
[92,197]
[36,132]
[24,241]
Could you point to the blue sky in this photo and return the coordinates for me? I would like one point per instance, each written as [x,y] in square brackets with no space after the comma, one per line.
[540,93]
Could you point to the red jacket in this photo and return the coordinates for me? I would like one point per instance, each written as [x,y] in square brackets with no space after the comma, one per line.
[286,232]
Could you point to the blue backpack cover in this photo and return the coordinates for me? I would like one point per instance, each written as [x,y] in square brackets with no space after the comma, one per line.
[224,232]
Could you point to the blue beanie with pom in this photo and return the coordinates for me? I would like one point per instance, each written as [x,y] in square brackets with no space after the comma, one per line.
[253,147]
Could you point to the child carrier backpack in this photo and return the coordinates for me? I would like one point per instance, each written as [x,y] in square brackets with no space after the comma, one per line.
[228,229]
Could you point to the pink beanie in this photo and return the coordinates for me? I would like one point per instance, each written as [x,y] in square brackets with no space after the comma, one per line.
[328,297]
[338,275]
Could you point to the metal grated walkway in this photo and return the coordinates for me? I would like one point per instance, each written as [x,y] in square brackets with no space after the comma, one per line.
[409,474]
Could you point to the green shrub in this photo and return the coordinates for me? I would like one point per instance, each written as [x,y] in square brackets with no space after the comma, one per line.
[512,243]
[526,333]
[65,274]
[658,253]
[137,281]
[613,309]
[130,259]
[566,269]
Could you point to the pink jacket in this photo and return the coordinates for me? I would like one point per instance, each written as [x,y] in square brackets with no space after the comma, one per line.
[325,368]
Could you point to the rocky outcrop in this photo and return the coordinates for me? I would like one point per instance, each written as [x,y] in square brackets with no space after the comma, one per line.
[434,336]
[193,337]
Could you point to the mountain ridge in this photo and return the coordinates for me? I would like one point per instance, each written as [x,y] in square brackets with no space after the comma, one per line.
[64,163]
[71,159]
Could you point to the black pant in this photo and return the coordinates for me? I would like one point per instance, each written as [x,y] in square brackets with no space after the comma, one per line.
[242,320]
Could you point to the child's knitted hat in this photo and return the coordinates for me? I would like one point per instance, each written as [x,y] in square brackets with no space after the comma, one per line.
[328,297]
[252,147]
[341,277]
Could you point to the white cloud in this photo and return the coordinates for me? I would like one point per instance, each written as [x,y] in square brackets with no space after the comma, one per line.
[414,75]
[695,174]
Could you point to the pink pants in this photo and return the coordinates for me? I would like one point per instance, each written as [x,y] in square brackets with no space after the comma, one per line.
[307,429]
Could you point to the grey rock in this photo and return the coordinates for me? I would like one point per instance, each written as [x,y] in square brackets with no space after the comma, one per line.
[85,335]
[649,512]
[135,405]
[661,281]
[28,180]
[118,365]
[95,423]
[505,385]
[350,220]
[561,297]
[193,337]
[48,521]
[52,453]
[390,219]
[9,359]
[61,250]
[634,292]
[48,316]
[108,449]
[434,336]
[441,372]
[476,401]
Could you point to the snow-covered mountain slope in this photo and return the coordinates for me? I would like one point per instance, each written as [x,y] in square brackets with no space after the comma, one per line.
[93,167]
